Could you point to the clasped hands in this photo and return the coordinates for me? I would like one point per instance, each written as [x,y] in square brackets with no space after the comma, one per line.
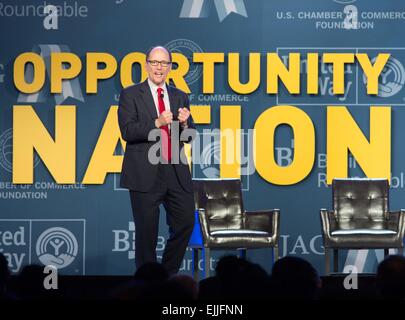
[166,117]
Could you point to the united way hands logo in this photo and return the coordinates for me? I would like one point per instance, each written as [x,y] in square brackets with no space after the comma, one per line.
[57,246]
[201,8]
[391,80]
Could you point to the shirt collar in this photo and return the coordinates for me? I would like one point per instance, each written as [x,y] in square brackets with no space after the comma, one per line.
[154,87]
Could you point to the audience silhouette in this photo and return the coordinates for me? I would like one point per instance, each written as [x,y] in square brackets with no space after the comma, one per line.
[294,278]
[4,278]
[236,279]
[391,278]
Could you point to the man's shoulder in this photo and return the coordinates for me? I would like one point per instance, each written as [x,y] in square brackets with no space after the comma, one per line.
[133,89]
[176,91]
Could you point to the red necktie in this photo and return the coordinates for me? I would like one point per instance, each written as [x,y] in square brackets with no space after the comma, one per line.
[164,130]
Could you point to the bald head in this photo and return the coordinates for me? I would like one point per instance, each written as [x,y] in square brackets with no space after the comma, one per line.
[149,52]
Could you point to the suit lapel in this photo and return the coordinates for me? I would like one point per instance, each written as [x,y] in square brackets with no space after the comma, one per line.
[150,103]
[148,99]
[173,100]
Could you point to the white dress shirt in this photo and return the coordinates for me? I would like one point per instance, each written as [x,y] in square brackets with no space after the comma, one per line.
[153,89]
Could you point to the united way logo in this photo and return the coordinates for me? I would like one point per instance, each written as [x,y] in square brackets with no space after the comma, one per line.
[201,8]
[6,151]
[210,160]
[57,246]
[391,80]
[187,48]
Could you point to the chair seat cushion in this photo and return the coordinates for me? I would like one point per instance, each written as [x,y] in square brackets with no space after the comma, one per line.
[239,232]
[342,232]
[363,233]
[241,238]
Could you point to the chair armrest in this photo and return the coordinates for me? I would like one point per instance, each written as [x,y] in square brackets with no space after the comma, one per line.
[263,220]
[328,221]
[396,222]
[205,229]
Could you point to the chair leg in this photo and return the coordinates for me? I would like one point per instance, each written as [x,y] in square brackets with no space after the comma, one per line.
[195,263]
[206,262]
[242,254]
[327,261]
[275,254]
[335,260]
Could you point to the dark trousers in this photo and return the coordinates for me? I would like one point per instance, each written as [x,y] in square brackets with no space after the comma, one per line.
[179,206]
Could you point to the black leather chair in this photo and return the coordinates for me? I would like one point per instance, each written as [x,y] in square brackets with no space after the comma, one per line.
[225,225]
[360,219]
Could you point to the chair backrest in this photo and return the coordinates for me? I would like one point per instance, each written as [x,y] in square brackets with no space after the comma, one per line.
[222,201]
[360,199]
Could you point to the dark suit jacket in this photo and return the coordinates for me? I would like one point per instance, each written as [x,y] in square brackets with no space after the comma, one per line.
[136,117]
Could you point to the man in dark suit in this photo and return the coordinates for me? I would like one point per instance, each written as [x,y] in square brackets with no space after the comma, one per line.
[143,108]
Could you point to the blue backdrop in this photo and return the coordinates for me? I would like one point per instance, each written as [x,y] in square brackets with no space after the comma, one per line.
[88,229]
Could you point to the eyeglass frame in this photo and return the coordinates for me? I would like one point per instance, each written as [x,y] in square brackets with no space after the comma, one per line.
[164,64]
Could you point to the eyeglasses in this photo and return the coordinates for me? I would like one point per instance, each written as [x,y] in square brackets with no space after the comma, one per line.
[164,64]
